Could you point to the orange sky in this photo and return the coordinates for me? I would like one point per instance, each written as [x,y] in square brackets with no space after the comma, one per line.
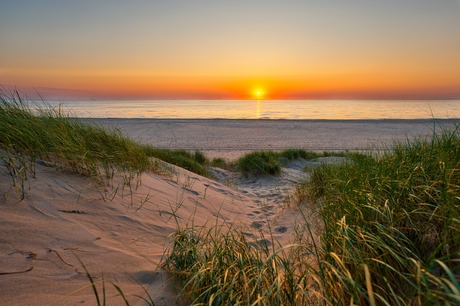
[211,49]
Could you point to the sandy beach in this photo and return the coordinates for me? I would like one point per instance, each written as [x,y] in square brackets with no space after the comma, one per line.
[121,234]
[232,138]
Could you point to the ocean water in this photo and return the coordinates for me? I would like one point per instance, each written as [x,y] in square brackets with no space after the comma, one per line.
[259,109]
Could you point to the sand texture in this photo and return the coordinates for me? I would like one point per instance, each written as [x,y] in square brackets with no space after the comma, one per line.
[232,138]
[63,216]
[119,234]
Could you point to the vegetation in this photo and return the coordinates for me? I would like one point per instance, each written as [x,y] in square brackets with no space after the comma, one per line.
[195,162]
[392,225]
[219,266]
[391,236]
[90,150]
[219,162]
[261,163]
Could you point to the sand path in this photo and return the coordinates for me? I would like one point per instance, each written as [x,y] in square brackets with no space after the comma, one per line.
[119,234]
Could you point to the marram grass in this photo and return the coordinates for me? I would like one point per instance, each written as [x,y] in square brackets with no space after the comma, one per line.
[392,224]
[267,162]
[391,236]
[50,134]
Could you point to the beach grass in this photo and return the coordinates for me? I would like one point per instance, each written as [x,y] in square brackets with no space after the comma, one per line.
[268,162]
[50,134]
[195,161]
[391,236]
[392,224]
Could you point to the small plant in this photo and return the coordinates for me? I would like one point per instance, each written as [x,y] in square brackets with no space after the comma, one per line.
[219,162]
[200,158]
[66,143]
[259,163]
[293,154]
[181,158]
[269,162]
[220,266]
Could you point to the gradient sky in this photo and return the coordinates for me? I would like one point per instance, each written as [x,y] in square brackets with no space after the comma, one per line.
[230,49]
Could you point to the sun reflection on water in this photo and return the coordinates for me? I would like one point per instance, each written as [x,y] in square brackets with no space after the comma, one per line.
[258,109]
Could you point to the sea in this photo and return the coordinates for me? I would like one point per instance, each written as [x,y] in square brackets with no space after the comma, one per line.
[257,109]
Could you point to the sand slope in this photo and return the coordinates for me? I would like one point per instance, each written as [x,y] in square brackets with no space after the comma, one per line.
[63,216]
[121,234]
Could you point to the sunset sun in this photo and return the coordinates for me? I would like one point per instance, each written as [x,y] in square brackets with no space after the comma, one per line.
[258,93]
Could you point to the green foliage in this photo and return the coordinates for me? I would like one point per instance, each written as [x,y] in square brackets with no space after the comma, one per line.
[293,154]
[220,266]
[220,163]
[200,158]
[86,149]
[90,150]
[259,163]
[194,162]
[398,216]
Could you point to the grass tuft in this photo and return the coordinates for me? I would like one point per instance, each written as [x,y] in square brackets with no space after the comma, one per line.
[49,134]
[260,163]
[219,266]
[195,162]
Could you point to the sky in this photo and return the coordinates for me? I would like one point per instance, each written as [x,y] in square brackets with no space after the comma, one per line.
[286,49]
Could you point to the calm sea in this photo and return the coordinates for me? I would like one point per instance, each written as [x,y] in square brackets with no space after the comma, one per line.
[261,109]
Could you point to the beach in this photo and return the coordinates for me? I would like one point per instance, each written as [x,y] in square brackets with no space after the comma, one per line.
[231,138]
[66,223]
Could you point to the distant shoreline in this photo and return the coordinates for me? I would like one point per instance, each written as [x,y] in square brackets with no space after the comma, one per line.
[457,120]
[260,109]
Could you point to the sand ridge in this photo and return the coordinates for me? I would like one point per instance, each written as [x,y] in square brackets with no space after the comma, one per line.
[63,216]
[120,234]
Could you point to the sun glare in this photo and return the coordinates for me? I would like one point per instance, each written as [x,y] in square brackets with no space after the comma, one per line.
[258,93]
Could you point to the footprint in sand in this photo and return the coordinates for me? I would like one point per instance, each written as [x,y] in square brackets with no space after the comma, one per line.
[191,190]
[281,230]
[257,224]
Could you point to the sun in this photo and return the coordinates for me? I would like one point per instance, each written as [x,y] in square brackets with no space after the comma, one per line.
[258,93]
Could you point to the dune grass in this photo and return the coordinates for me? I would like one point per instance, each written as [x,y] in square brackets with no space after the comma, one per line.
[391,236]
[392,224]
[260,163]
[195,162]
[50,134]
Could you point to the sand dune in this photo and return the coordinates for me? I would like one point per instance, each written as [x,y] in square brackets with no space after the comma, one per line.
[115,232]
[63,216]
